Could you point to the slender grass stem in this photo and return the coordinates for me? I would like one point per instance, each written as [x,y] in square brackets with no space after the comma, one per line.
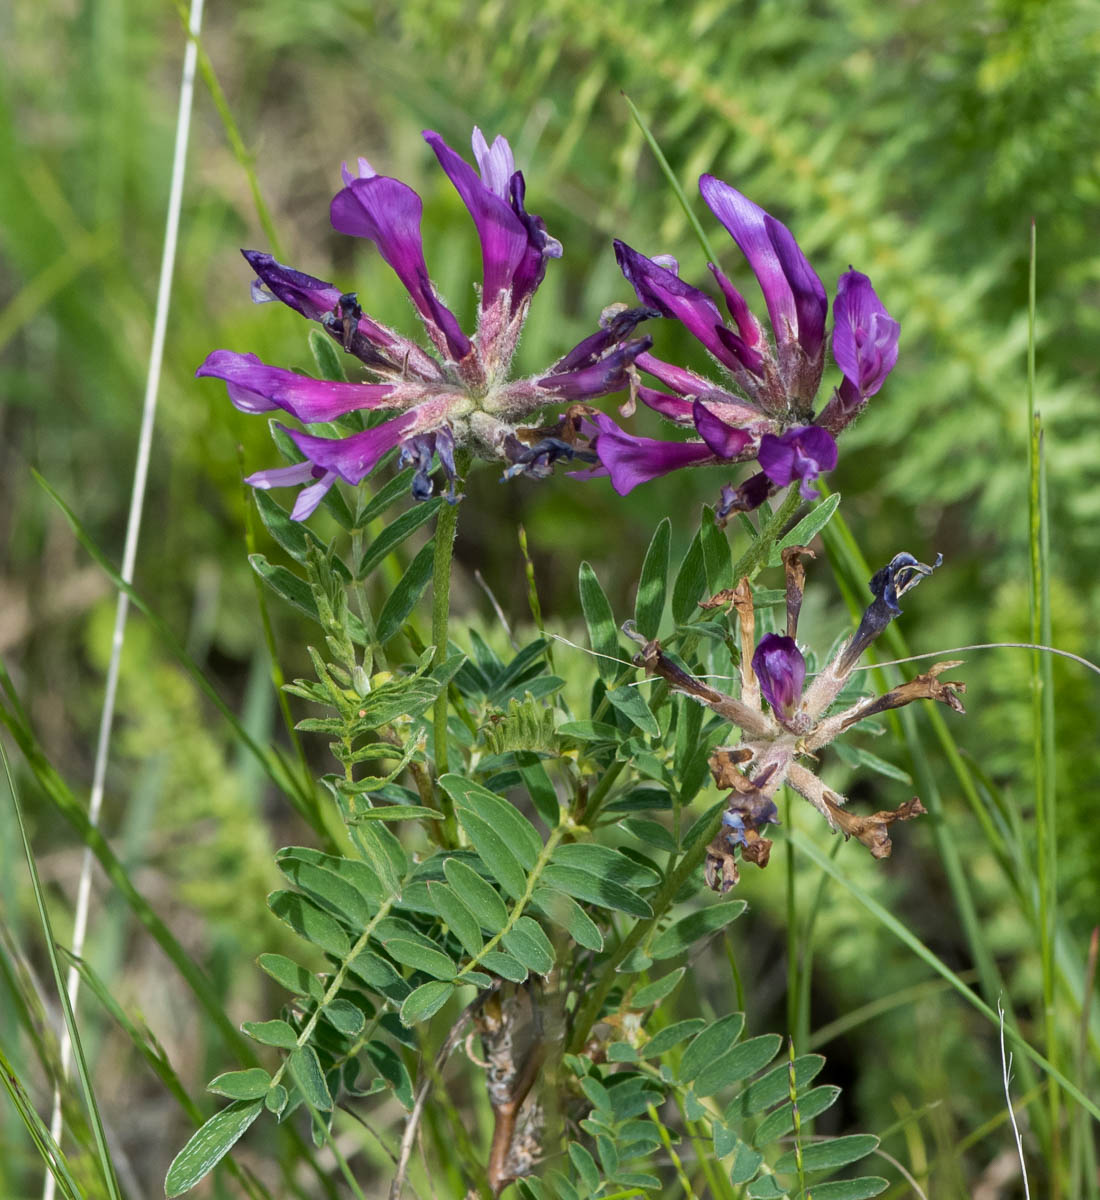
[129,554]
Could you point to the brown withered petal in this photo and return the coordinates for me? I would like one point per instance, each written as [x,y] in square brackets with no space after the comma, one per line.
[746,619]
[656,662]
[872,830]
[757,849]
[796,582]
[720,870]
[925,687]
[723,766]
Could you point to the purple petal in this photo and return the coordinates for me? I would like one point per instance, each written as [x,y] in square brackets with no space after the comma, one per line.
[752,336]
[795,296]
[365,170]
[617,329]
[311,297]
[388,213]
[749,496]
[354,457]
[675,408]
[781,669]
[661,289]
[865,336]
[726,441]
[255,387]
[502,233]
[540,245]
[601,378]
[681,380]
[495,162]
[310,497]
[277,477]
[633,460]
[803,454]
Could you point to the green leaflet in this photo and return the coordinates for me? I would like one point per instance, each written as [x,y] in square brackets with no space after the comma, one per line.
[494,852]
[602,631]
[480,898]
[653,583]
[527,942]
[690,582]
[739,1063]
[250,1084]
[681,935]
[422,958]
[310,922]
[425,1001]
[402,600]
[208,1144]
[829,1155]
[716,1039]
[271,1033]
[395,533]
[463,924]
[305,1069]
[520,835]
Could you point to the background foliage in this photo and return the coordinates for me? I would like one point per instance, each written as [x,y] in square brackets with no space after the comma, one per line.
[912,141]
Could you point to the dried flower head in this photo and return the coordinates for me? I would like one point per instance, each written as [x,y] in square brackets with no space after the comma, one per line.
[798,721]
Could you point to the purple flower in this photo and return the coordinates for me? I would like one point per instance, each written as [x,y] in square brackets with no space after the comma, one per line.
[772,380]
[631,460]
[781,669]
[865,346]
[459,392]
[801,454]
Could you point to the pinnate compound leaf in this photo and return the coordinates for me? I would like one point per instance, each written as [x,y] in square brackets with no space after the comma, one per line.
[602,632]
[831,1154]
[241,1085]
[716,1039]
[494,852]
[681,935]
[402,600]
[480,897]
[425,1001]
[521,836]
[209,1144]
[271,1033]
[305,1069]
[653,584]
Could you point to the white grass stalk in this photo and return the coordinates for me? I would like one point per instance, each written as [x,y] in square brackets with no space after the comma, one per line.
[133,530]
[1006,1070]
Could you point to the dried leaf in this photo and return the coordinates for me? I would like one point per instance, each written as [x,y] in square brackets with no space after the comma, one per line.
[872,830]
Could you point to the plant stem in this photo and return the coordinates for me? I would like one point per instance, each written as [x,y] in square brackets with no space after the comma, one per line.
[445,529]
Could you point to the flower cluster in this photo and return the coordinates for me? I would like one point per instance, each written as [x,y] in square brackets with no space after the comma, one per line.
[798,721]
[765,409]
[457,393]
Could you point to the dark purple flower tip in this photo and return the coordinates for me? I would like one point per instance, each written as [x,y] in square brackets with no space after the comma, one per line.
[658,287]
[601,378]
[888,585]
[865,336]
[803,454]
[311,297]
[353,458]
[795,296]
[254,387]
[630,460]
[781,669]
[726,441]
[616,328]
[749,496]
[388,213]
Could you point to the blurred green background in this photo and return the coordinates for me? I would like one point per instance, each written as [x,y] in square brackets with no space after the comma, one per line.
[914,141]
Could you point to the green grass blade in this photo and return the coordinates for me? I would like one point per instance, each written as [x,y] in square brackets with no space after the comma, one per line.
[887,919]
[51,1153]
[105,1163]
